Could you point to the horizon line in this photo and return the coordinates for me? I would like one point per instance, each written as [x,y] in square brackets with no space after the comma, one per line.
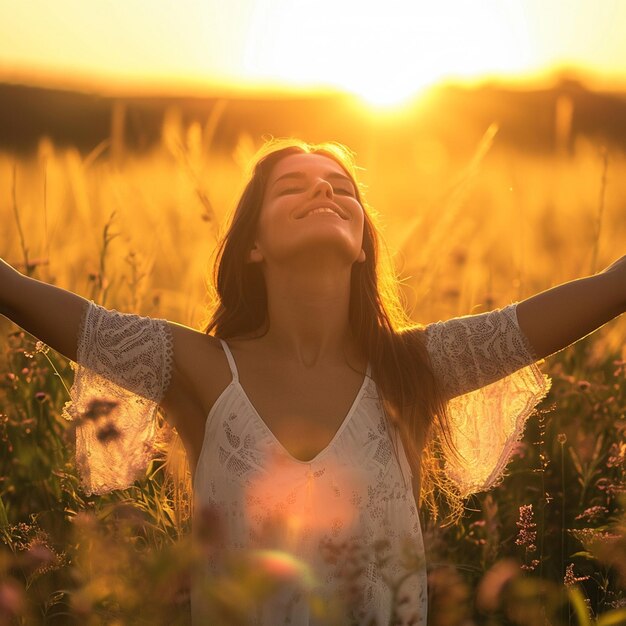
[193,86]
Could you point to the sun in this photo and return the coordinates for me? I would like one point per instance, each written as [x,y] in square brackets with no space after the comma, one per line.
[384,52]
[385,91]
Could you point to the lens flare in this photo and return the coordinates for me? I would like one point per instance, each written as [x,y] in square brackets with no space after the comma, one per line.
[282,567]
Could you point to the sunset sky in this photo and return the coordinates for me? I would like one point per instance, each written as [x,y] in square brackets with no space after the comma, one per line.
[383,51]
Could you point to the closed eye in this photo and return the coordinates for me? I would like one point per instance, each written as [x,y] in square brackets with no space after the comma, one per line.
[346,192]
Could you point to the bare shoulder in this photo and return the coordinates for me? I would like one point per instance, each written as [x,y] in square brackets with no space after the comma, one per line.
[199,369]
[189,341]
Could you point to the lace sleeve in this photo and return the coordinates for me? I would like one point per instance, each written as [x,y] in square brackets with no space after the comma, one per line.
[122,372]
[487,369]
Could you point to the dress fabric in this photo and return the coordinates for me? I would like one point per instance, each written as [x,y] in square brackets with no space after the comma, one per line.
[123,370]
[349,514]
[355,492]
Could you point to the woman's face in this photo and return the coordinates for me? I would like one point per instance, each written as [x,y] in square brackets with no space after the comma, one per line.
[309,210]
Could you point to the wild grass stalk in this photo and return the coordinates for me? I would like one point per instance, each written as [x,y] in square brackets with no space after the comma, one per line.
[138,274]
[545,498]
[27,266]
[41,348]
[46,243]
[102,284]
[580,607]
[425,260]
[189,154]
[600,214]
[562,439]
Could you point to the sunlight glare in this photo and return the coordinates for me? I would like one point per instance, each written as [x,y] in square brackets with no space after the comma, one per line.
[385,54]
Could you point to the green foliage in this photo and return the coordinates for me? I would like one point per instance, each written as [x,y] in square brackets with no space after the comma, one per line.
[77,556]
[567,485]
[100,559]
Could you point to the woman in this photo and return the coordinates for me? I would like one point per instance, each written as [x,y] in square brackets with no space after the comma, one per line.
[313,415]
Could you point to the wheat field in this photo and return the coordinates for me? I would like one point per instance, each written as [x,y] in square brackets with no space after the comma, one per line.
[467,231]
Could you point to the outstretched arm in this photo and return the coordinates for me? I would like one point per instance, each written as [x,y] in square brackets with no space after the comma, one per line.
[49,313]
[560,316]
[127,366]
[54,316]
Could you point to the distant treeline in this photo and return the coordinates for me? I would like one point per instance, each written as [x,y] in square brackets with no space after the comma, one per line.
[531,120]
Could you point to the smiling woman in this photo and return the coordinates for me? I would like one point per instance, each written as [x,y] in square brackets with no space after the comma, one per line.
[315,415]
[309,198]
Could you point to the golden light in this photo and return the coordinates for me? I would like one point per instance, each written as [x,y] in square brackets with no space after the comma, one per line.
[385,52]
[282,566]
[288,504]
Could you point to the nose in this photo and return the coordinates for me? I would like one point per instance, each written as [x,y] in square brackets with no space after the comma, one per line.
[322,187]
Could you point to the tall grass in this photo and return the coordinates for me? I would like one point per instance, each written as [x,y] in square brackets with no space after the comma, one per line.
[547,546]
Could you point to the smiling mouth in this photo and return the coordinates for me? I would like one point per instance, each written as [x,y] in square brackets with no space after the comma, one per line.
[323,211]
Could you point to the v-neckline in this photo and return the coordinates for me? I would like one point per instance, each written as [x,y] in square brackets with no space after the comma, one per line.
[329,445]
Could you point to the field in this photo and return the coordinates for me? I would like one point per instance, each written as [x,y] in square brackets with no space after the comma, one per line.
[468,229]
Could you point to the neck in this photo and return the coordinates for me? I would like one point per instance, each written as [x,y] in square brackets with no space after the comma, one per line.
[308,313]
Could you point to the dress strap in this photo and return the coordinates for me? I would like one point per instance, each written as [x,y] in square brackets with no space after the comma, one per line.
[231,360]
[235,373]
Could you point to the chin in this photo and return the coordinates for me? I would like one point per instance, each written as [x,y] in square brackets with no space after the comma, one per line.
[323,252]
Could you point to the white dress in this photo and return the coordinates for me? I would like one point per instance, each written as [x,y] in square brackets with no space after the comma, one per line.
[348,517]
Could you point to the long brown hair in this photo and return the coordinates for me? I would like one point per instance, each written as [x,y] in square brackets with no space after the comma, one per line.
[394,345]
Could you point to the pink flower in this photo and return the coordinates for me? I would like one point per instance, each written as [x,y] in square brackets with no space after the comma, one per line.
[527,534]
[592,513]
[569,580]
